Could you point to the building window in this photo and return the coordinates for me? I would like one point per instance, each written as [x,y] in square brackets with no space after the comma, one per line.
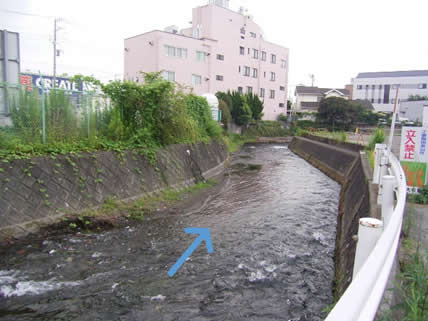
[372,100]
[255,73]
[247,71]
[196,80]
[168,75]
[252,34]
[175,52]
[243,31]
[200,56]
[255,54]
[181,52]
[249,90]
[272,94]
[379,100]
[359,87]
[239,69]
[380,86]
[262,92]
[281,105]
[169,51]
[248,50]
[219,77]
[273,58]
[272,76]
[283,63]
[241,50]
[282,88]
[392,101]
[240,90]
[422,86]
[264,74]
[220,57]
[264,55]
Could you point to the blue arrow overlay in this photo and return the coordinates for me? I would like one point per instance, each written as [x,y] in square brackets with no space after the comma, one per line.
[204,235]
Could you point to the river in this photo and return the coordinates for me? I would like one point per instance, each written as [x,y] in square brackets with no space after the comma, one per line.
[273,232]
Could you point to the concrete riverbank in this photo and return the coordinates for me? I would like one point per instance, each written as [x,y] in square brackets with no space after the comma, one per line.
[346,164]
[39,191]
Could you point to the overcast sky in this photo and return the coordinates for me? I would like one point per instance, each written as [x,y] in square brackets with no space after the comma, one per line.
[332,39]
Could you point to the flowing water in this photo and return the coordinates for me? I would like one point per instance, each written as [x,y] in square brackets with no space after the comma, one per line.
[273,233]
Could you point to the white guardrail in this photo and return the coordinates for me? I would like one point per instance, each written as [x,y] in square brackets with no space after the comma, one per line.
[377,244]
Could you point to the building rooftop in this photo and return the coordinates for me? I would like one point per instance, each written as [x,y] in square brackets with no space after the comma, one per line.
[386,74]
[319,91]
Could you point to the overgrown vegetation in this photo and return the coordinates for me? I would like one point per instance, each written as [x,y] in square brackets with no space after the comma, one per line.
[421,198]
[143,117]
[266,129]
[340,114]
[242,107]
[414,286]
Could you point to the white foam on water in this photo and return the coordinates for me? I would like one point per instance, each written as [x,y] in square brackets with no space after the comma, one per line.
[8,277]
[159,297]
[12,283]
[96,254]
[279,147]
[256,276]
[33,287]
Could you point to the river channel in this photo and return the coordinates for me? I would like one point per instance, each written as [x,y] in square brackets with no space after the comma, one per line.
[273,232]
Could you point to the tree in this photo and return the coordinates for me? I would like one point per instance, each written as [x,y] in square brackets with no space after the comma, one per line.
[226,117]
[256,106]
[335,112]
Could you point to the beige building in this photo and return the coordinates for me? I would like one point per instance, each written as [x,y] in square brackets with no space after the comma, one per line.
[308,98]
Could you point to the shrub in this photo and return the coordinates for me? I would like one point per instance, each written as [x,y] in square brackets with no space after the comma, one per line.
[282,117]
[377,138]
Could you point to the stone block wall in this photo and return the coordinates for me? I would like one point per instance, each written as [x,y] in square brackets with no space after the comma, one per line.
[35,192]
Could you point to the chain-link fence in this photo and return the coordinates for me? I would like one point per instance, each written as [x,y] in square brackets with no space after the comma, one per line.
[38,115]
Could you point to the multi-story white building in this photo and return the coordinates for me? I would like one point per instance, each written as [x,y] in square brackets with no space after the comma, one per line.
[222,50]
[380,87]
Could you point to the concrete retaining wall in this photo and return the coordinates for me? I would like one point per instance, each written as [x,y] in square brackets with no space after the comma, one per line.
[350,168]
[37,192]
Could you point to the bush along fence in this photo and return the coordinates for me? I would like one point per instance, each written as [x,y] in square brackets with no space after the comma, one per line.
[43,115]
[121,115]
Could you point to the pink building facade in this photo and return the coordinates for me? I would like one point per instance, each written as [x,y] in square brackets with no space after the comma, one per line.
[223,50]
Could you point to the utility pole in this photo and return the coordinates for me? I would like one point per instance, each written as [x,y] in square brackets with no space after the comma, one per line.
[312,76]
[55,52]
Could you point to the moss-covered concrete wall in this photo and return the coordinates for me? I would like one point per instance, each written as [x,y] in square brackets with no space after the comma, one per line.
[345,164]
[35,192]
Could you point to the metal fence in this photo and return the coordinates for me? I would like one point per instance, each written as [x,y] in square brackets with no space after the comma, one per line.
[42,115]
[377,244]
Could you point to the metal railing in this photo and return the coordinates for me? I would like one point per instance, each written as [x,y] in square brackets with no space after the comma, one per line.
[376,251]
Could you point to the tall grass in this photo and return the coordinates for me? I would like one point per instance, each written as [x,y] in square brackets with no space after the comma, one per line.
[414,287]
[377,138]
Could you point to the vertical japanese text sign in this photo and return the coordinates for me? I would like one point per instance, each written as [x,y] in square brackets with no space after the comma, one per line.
[414,155]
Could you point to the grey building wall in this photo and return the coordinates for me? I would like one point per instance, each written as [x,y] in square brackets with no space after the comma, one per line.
[413,110]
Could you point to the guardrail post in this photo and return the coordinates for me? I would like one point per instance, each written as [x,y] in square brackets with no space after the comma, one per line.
[388,182]
[383,171]
[378,154]
[369,231]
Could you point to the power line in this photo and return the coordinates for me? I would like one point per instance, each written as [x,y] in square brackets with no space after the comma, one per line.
[26,14]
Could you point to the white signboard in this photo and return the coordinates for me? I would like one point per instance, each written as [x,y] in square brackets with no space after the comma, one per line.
[425,116]
[414,155]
